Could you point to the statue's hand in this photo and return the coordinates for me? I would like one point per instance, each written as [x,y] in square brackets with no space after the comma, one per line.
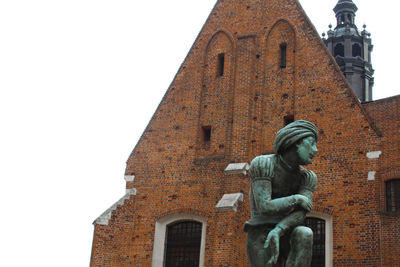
[304,202]
[272,244]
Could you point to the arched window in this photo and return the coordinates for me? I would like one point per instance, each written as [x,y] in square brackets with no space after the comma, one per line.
[339,50]
[318,228]
[356,50]
[179,241]
[183,240]
[393,195]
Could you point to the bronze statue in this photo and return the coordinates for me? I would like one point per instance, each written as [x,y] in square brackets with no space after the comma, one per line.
[280,197]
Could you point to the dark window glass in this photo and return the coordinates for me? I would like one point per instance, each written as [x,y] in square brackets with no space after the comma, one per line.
[283,55]
[318,228]
[339,50]
[183,241]
[221,64]
[356,50]
[393,195]
[206,133]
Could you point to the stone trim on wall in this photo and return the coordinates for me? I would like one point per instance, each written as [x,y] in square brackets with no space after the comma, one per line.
[237,168]
[229,202]
[105,217]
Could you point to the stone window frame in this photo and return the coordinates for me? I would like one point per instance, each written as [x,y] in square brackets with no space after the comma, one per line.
[328,235]
[160,235]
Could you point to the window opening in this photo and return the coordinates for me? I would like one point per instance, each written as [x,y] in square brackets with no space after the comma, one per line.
[283,49]
[206,133]
[339,50]
[221,64]
[183,241]
[393,195]
[288,119]
[318,228]
[356,50]
[349,18]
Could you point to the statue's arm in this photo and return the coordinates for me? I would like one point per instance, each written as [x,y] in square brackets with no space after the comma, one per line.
[308,184]
[261,173]
[294,219]
[297,217]
[262,195]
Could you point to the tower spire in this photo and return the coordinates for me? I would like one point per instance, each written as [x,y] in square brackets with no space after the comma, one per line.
[352,49]
[345,11]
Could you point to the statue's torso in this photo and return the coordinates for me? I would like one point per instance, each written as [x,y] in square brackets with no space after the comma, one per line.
[284,182]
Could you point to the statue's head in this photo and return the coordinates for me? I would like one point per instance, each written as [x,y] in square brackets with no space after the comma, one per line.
[301,136]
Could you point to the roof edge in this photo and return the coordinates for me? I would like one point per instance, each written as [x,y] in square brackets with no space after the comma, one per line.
[381,99]
[173,80]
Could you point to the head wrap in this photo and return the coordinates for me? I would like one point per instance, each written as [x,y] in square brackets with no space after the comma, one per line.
[292,133]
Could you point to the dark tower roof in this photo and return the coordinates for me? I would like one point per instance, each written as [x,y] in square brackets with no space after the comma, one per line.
[345,11]
[345,5]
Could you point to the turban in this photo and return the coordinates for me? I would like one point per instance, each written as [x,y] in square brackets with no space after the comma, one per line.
[292,133]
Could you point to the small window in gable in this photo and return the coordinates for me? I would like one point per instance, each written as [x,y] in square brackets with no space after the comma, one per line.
[283,53]
[288,119]
[393,195]
[356,50]
[221,65]
[339,50]
[206,134]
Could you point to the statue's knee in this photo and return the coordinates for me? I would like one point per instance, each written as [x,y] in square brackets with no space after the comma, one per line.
[303,234]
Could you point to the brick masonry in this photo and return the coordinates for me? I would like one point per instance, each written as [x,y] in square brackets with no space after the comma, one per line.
[176,171]
[385,114]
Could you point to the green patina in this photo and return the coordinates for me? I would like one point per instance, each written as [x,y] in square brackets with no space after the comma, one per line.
[280,197]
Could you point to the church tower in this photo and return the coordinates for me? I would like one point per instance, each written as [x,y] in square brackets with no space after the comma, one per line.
[352,49]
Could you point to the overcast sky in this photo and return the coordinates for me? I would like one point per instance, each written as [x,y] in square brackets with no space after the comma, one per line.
[79,81]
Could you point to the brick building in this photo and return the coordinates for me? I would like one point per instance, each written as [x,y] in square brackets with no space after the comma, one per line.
[255,66]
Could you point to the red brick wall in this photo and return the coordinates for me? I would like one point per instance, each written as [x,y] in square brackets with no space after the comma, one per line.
[175,172]
[385,113]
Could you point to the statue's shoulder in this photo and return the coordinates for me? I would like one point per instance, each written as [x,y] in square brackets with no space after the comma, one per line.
[309,179]
[263,160]
[262,166]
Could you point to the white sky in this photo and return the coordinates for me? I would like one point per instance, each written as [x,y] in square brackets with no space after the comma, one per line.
[79,81]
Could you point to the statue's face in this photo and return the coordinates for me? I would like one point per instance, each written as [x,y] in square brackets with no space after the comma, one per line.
[306,150]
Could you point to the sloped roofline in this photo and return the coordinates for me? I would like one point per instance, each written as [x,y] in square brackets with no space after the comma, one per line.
[348,87]
[173,80]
